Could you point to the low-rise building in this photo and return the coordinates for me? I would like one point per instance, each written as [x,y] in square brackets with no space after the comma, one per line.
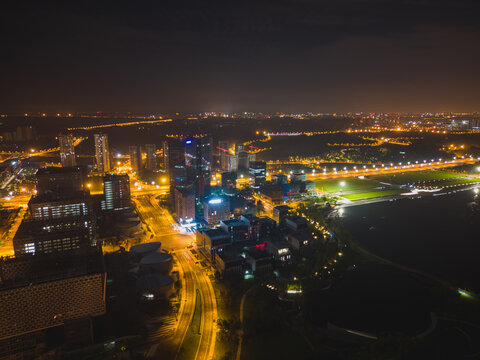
[280,250]
[259,229]
[299,239]
[296,223]
[238,230]
[212,240]
[259,261]
[279,179]
[280,213]
[228,263]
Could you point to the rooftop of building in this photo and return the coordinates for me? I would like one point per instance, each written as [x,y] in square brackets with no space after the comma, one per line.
[51,196]
[53,170]
[228,255]
[279,243]
[282,208]
[216,233]
[298,220]
[146,248]
[152,281]
[301,235]
[155,258]
[33,269]
[233,222]
[115,176]
[257,254]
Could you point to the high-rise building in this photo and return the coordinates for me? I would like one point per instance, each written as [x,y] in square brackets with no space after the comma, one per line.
[59,182]
[36,237]
[229,180]
[239,148]
[232,162]
[151,163]
[67,149]
[242,160]
[198,153]
[198,159]
[116,189]
[257,173]
[135,158]
[102,154]
[251,157]
[184,204]
[216,209]
[222,154]
[174,158]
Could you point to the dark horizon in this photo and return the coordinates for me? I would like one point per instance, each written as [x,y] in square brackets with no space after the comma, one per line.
[258,56]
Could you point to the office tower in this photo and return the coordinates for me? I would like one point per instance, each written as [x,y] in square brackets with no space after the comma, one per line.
[198,153]
[116,189]
[232,162]
[251,157]
[242,160]
[184,204]
[222,154]
[198,159]
[174,156]
[60,182]
[60,194]
[57,235]
[239,148]
[151,163]
[67,149]
[135,158]
[229,180]
[102,154]
[216,209]
[257,172]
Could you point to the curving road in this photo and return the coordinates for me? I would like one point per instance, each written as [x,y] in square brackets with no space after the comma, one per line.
[193,277]
[208,332]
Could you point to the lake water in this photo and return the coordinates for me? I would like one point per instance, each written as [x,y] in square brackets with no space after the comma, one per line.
[439,235]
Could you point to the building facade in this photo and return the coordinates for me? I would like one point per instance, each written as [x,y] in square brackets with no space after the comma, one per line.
[67,150]
[102,153]
[116,189]
[151,162]
[135,158]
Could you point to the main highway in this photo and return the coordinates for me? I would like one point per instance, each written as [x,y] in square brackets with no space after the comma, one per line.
[160,223]
[389,168]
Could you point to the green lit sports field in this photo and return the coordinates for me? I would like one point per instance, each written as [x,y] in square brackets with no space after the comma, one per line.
[345,184]
[372,194]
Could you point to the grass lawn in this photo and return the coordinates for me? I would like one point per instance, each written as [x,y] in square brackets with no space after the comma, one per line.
[353,183]
[415,177]
[371,194]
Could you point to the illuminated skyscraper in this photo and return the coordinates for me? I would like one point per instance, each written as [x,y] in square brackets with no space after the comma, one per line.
[102,154]
[198,159]
[151,163]
[117,192]
[135,158]
[257,171]
[67,150]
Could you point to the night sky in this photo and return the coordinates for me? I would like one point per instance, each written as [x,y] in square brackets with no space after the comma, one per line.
[192,56]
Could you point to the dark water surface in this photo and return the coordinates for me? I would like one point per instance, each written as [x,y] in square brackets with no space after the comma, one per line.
[439,235]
